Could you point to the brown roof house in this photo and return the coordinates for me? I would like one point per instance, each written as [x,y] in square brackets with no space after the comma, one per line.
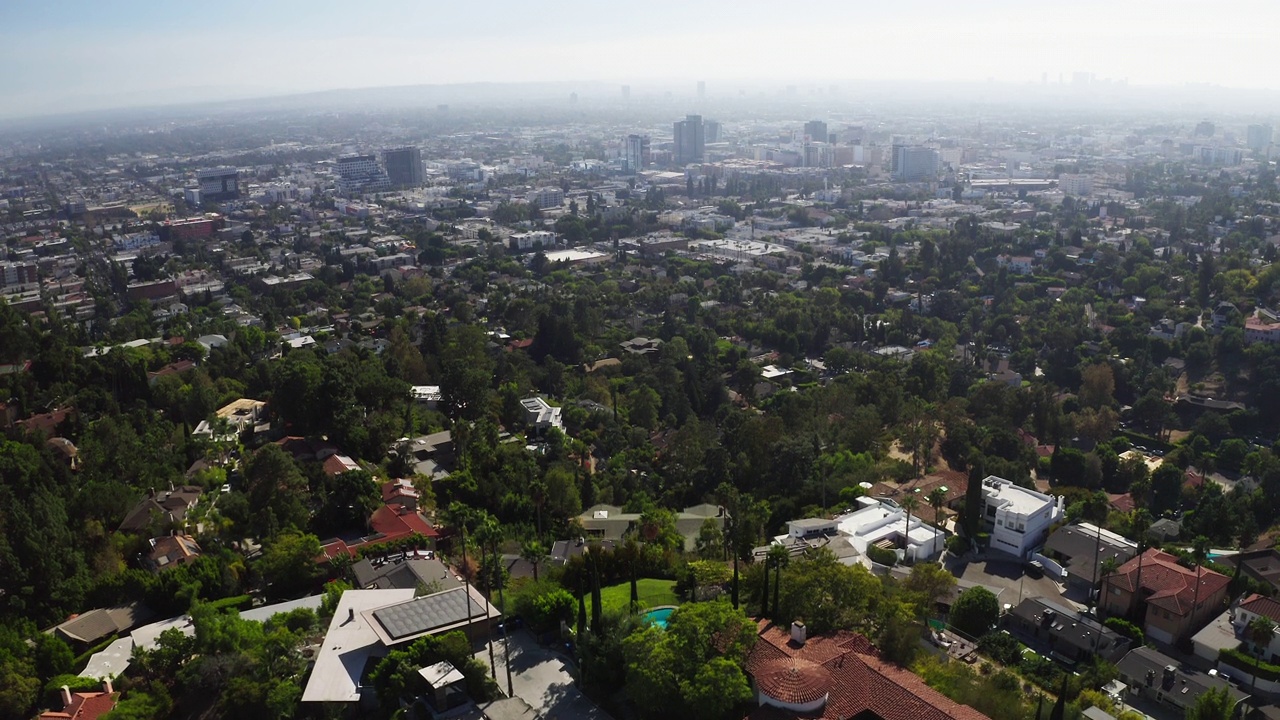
[167,507]
[88,628]
[170,551]
[840,676]
[1172,601]
[84,705]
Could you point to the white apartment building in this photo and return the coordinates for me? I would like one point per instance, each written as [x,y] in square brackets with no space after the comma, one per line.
[1018,518]
[532,239]
[1076,185]
[546,197]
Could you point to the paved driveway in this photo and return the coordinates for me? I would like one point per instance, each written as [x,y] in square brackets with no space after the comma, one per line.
[543,679]
[1007,576]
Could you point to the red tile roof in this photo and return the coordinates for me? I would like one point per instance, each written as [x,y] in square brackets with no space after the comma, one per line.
[1170,586]
[337,464]
[1262,605]
[395,522]
[859,680]
[84,706]
[1122,502]
[792,680]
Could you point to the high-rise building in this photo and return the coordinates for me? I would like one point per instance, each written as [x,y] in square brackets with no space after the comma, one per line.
[1204,129]
[1259,137]
[816,131]
[711,130]
[626,92]
[913,163]
[689,140]
[404,166]
[635,155]
[702,89]
[219,184]
[361,174]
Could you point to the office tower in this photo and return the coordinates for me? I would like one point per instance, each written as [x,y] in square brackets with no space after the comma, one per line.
[1204,129]
[635,156]
[626,92]
[816,131]
[912,163]
[1259,137]
[404,166]
[689,140]
[573,98]
[711,131]
[361,174]
[218,184]
[702,89]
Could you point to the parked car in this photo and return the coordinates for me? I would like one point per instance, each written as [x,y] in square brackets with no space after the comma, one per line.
[1035,568]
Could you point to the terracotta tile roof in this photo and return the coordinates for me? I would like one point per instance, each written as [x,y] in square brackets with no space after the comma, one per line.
[1169,585]
[1262,605]
[1122,502]
[792,680]
[84,706]
[337,464]
[395,522]
[860,681]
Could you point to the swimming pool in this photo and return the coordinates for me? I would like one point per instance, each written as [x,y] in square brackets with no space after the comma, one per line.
[658,616]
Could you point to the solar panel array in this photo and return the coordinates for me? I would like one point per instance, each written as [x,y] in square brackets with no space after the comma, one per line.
[427,613]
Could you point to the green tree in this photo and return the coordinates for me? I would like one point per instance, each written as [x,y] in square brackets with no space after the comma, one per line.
[975,612]
[937,499]
[288,562]
[1261,631]
[277,492]
[1215,704]
[930,582]
[694,668]
[534,553]
[826,594]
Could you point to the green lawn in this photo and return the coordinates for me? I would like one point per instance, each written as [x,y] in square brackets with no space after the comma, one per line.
[652,593]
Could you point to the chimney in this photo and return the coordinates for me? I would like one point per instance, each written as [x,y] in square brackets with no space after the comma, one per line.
[107,687]
[798,632]
[66,696]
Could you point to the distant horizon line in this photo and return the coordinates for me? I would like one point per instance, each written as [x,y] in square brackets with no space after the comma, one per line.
[652,85]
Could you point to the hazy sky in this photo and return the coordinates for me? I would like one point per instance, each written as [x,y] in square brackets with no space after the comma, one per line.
[63,55]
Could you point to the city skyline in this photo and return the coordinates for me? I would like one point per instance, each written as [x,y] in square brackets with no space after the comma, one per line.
[139,53]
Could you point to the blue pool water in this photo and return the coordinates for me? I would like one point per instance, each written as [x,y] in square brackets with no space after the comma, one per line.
[658,616]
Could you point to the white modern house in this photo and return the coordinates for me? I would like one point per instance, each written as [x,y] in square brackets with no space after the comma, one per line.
[1017,518]
[876,522]
[541,415]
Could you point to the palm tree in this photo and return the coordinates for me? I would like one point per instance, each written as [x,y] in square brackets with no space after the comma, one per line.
[1200,550]
[630,553]
[1140,524]
[1106,570]
[909,503]
[534,553]
[1261,631]
[779,556]
[489,536]
[937,498]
